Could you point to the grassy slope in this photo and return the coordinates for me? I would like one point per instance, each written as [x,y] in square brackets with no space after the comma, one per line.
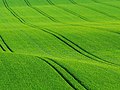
[81,52]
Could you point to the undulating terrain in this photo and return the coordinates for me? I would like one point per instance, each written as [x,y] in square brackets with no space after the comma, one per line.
[59,44]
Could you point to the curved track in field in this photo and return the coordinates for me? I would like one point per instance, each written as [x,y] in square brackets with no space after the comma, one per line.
[59,72]
[53,63]
[5,45]
[40,11]
[70,12]
[75,3]
[2,48]
[62,75]
[106,4]
[62,38]
[98,11]
[79,81]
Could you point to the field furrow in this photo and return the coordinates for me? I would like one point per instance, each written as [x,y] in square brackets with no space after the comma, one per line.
[5,44]
[2,48]
[41,12]
[59,45]
[69,11]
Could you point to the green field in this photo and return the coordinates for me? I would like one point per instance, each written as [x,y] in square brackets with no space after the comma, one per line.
[59,44]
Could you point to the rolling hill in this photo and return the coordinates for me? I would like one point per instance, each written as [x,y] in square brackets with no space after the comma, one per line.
[59,45]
